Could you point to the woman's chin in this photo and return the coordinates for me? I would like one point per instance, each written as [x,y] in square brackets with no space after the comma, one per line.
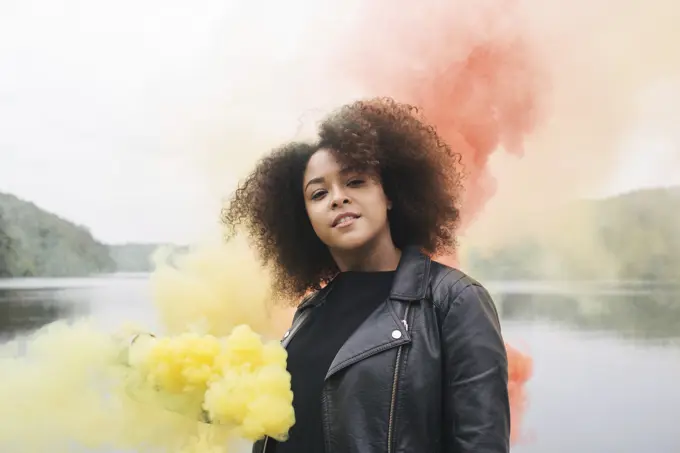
[351,242]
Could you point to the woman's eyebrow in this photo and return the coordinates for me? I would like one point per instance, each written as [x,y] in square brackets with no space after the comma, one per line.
[317,180]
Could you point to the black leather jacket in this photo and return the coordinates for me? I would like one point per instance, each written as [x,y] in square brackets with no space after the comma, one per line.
[425,373]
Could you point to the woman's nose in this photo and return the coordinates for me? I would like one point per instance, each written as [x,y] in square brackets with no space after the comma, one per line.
[340,199]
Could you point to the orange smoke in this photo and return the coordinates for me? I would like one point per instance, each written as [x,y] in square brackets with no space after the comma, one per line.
[470,66]
[472,69]
[520,368]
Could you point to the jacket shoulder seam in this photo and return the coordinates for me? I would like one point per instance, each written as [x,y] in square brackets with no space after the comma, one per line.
[442,304]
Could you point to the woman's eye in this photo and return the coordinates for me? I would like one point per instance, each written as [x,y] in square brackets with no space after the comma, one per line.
[355,182]
[318,194]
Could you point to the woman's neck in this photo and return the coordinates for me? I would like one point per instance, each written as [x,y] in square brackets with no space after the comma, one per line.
[382,255]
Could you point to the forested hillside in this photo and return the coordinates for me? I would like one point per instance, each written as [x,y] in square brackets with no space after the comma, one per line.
[34,242]
[634,236]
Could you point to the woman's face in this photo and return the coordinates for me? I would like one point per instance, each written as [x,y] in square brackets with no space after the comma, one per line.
[347,209]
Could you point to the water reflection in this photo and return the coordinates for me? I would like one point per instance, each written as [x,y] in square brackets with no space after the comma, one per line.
[634,310]
[606,359]
[27,305]
[23,311]
[650,315]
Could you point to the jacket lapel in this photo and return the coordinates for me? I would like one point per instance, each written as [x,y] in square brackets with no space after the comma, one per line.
[385,327]
[303,312]
[382,330]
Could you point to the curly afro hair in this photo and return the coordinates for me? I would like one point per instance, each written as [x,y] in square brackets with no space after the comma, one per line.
[420,174]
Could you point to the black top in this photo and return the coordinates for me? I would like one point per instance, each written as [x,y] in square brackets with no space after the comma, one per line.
[353,296]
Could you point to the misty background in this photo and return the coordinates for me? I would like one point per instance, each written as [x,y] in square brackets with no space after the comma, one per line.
[124,125]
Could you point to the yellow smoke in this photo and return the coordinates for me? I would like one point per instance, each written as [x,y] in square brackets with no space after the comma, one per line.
[212,289]
[77,385]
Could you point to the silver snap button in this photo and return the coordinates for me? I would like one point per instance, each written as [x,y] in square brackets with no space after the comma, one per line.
[285,335]
[396,334]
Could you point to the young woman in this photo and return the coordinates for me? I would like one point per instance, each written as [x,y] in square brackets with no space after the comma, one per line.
[390,351]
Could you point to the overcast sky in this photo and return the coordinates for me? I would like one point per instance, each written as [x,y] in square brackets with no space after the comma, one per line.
[93,95]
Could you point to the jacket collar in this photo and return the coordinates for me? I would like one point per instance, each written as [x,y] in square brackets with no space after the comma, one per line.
[412,276]
[410,281]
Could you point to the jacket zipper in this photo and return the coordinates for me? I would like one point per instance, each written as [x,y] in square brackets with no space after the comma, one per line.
[395,383]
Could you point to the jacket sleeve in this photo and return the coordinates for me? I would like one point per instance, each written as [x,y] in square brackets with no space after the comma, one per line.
[476,402]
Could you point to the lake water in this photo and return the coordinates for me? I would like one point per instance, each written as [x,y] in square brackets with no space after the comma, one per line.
[606,357]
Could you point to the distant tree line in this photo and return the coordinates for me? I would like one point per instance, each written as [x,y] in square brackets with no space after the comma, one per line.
[34,242]
[632,236]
